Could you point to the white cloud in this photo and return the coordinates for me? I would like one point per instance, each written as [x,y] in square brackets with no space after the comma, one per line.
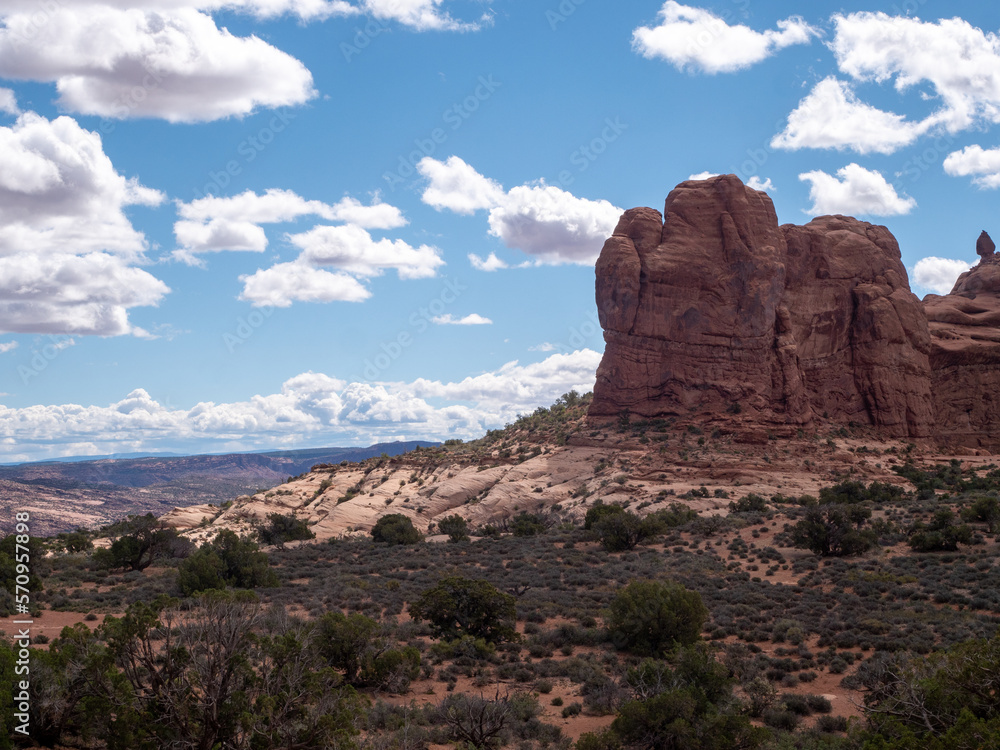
[60,192]
[421,15]
[473,319]
[703,176]
[491,263]
[172,64]
[284,283]
[858,191]
[757,183]
[544,221]
[310,406]
[983,165]
[276,205]
[695,39]
[832,116]
[457,186]
[8,346]
[8,102]
[353,250]
[212,224]
[545,346]
[65,242]
[959,61]
[938,274]
[304,9]
[552,225]
[88,295]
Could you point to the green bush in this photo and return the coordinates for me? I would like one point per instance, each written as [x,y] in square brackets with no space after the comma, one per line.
[458,606]
[941,534]
[456,527]
[649,618]
[284,528]
[395,528]
[226,561]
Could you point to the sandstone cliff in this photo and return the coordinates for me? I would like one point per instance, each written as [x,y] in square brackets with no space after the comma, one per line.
[713,308]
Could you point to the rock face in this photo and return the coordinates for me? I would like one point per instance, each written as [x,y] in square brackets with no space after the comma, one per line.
[713,307]
[965,356]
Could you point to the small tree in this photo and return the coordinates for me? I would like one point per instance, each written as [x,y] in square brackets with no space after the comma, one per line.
[357,645]
[985,510]
[649,618]
[226,561]
[597,512]
[395,528]
[284,528]
[941,534]
[140,540]
[461,606]
[834,530]
[456,527]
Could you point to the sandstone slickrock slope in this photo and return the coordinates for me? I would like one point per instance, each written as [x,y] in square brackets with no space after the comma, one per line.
[712,308]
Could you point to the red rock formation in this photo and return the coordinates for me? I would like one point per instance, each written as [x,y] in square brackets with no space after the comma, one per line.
[717,305]
[965,356]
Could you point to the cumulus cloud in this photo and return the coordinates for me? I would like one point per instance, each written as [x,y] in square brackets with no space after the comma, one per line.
[832,116]
[8,102]
[854,191]
[213,224]
[695,39]
[458,187]
[939,274]
[8,346]
[128,62]
[88,294]
[284,283]
[546,222]
[65,243]
[422,15]
[959,61]
[983,165]
[552,225]
[309,407]
[490,263]
[757,183]
[59,191]
[353,250]
[703,176]
[473,319]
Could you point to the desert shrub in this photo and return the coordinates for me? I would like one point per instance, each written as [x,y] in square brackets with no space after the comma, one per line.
[527,524]
[941,534]
[284,528]
[752,503]
[834,529]
[598,512]
[226,561]
[395,528]
[458,606]
[985,510]
[650,617]
[456,527]
[139,541]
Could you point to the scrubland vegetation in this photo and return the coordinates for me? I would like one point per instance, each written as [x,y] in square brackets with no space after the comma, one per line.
[624,630]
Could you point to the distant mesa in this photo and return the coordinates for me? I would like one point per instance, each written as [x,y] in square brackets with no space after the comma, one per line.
[712,310]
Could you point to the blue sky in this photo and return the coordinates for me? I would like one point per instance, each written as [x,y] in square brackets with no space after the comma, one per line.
[250,224]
